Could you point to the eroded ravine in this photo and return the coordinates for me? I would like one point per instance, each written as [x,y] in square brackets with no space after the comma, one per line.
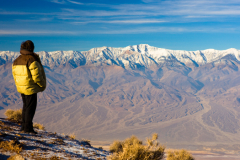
[218,133]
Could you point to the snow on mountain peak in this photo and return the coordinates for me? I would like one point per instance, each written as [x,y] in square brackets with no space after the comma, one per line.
[130,56]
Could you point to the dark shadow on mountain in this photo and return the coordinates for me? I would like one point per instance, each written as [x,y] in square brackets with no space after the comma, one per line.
[201,85]
[153,60]
[121,64]
[137,74]
[179,97]
[149,73]
[72,63]
[159,73]
[195,63]
[5,103]
[238,99]
[83,62]
[94,85]
[1,108]
[234,67]
[5,74]
[230,61]
[231,57]
[53,79]
[177,66]
[140,67]
[113,62]
[75,63]
[155,84]
[196,84]
[2,61]
[176,60]
[79,96]
[47,67]
[105,53]
[203,56]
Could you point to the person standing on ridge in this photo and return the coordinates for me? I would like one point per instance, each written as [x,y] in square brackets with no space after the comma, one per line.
[30,78]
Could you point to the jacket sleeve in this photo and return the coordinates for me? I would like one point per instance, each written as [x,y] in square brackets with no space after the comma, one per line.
[38,74]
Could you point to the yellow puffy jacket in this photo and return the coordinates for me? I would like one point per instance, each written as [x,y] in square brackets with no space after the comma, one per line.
[28,73]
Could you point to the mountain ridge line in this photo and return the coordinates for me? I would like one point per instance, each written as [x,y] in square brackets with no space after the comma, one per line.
[133,57]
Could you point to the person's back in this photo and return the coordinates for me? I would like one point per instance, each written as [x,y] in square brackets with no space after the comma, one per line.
[30,79]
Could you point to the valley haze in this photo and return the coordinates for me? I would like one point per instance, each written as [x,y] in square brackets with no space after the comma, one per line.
[190,98]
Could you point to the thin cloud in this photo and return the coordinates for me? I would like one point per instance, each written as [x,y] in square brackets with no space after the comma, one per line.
[142,30]
[137,30]
[126,17]
[137,21]
[58,1]
[74,2]
[133,21]
[35,20]
[28,32]
[79,3]
[148,1]
[26,13]
[99,13]
[16,13]
[182,9]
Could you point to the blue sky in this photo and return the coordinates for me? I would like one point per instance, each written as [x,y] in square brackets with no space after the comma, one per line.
[84,24]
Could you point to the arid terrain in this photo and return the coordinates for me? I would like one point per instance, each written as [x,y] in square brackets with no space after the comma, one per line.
[43,145]
[190,105]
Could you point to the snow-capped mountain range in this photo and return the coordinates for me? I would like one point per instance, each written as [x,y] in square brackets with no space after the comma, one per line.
[135,56]
[188,97]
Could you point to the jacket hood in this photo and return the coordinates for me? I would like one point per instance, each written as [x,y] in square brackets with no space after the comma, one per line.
[25,52]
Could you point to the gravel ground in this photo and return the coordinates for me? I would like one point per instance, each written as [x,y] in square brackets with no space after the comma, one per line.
[47,145]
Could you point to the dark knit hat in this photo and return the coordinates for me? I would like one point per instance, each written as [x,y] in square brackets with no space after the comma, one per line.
[28,45]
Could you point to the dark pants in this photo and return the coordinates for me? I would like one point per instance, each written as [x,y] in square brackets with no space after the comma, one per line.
[28,111]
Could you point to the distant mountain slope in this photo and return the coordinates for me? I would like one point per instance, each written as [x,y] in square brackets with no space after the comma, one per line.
[188,97]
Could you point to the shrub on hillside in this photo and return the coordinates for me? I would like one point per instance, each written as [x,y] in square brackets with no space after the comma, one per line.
[116,146]
[16,157]
[72,136]
[12,146]
[14,114]
[38,126]
[86,141]
[133,149]
[179,155]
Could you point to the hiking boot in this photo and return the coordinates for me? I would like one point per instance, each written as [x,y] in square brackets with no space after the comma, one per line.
[31,132]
